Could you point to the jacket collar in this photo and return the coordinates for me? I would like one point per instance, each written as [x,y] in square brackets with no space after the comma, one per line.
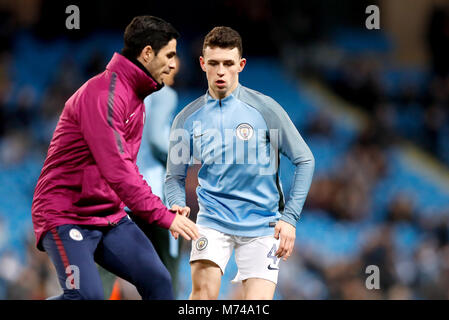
[140,81]
[234,93]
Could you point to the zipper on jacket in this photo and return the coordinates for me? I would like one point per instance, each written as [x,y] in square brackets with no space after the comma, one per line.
[221,123]
[223,147]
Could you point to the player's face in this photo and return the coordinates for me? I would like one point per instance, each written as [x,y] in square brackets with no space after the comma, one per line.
[164,62]
[222,67]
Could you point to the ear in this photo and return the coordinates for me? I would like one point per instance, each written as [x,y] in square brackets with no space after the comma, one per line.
[147,54]
[203,63]
[242,64]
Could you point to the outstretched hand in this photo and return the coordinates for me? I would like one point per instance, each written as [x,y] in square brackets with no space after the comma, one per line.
[287,232]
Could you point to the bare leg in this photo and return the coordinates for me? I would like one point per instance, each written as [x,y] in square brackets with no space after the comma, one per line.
[206,280]
[258,289]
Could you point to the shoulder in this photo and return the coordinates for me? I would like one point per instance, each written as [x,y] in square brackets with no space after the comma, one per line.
[189,110]
[104,93]
[106,85]
[264,104]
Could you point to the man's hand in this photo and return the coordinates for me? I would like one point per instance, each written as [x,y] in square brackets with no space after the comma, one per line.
[288,235]
[183,211]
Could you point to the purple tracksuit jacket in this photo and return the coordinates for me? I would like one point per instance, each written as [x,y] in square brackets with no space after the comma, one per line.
[90,172]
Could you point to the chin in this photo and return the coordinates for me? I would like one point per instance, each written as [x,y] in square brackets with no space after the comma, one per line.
[225,89]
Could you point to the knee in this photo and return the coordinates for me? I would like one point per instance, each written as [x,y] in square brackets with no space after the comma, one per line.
[163,277]
[204,291]
[156,285]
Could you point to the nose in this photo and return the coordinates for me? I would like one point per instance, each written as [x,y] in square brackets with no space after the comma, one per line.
[172,64]
[220,70]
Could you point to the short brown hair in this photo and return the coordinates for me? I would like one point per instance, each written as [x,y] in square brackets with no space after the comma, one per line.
[223,37]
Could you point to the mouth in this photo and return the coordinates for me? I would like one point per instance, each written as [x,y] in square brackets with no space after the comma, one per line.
[164,74]
[220,83]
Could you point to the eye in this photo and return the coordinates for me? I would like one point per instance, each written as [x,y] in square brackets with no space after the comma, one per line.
[171,55]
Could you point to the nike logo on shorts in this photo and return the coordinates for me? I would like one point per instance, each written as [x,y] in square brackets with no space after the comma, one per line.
[271,268]
[197,136]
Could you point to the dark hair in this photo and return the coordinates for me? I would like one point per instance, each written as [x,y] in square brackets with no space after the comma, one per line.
[144,31]
[223,37]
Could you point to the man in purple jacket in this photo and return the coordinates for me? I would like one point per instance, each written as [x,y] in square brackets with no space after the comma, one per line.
[90,174]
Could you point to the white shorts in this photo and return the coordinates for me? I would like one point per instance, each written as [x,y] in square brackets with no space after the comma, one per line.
[254,256]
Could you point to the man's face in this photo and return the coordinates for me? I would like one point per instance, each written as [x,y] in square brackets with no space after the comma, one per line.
[164,62]
[222,67]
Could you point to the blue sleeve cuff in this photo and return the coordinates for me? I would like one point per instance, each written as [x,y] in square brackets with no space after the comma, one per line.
[289,218]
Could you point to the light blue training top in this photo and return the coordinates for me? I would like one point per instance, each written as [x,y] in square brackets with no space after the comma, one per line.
[238,141]
[159,109]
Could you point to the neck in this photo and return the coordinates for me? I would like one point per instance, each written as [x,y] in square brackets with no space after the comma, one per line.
[138,63]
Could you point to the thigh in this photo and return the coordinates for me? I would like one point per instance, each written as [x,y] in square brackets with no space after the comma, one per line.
[213,246]
[206,280]
[71,249]
[166,246]
[127,252]
[258,289]
[255,258]
[159,237]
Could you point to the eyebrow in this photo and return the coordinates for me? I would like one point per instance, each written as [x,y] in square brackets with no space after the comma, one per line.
[171,54]
[225,61]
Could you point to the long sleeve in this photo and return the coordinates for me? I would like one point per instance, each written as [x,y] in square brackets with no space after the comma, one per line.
[161,104]
[292,145]
[102,125]
[288,142]
[179,155]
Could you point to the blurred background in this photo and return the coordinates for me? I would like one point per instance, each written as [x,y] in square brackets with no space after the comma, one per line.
[371,104]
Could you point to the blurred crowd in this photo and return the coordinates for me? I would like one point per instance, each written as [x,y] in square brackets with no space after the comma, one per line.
[345,193]
[417,270]
[415,106]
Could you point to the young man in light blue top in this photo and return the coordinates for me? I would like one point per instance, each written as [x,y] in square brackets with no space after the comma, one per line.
[237,135]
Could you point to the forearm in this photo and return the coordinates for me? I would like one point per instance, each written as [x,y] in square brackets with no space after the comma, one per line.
[299,190]
[175,190]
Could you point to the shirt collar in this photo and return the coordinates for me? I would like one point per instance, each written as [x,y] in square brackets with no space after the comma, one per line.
[233,94]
